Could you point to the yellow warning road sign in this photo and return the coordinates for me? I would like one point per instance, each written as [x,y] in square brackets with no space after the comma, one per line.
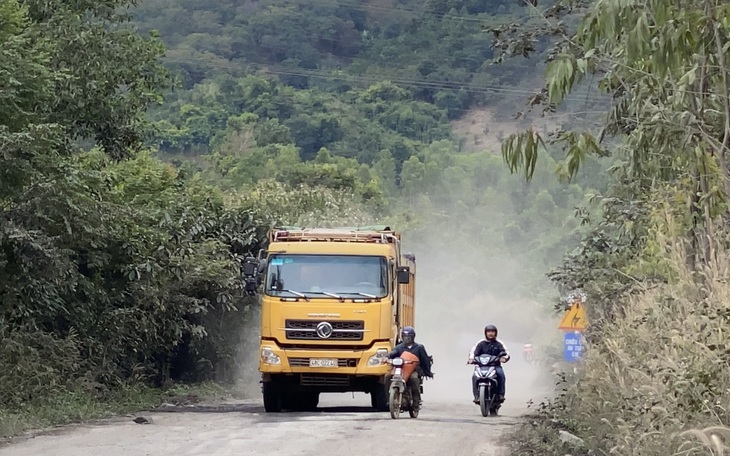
[575,318]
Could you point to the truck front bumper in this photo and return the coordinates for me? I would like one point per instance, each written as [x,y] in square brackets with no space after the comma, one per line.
[276,360]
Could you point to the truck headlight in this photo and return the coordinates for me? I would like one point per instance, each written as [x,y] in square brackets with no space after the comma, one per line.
[269,357]
[378,358]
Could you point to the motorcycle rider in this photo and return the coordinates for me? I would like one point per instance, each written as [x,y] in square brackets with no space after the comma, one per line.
[527,352]
[408,343]
[490,345]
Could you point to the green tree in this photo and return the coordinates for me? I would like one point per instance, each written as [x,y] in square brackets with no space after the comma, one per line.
[96,96]
[667,72]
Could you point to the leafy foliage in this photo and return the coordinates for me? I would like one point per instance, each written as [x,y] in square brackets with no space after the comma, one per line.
[653,264]
[112,271]
[369,122]
[95,96]
[442,53]
[355,78]
[668,97]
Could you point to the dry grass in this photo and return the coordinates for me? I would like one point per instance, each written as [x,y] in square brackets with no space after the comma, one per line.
[713,438]
[657,381]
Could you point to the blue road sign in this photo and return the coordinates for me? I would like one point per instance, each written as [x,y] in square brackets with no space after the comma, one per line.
[573,348]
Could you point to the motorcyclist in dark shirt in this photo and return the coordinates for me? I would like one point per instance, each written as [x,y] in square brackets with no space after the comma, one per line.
[408,338]
[490,345]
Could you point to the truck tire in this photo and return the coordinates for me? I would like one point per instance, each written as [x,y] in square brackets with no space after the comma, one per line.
[308,402]
[272,397]
[288,401]
[379,398]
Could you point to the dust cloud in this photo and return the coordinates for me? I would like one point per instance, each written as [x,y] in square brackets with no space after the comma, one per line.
[248,377]
[457,294]
[462,284]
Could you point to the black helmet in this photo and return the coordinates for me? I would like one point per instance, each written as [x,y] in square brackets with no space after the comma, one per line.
[491,328]
[408,334]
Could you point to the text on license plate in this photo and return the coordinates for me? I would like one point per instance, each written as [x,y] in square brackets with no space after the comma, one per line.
[322,362]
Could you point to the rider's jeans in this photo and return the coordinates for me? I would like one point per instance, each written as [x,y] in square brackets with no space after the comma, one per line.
[500,383]
[413,382]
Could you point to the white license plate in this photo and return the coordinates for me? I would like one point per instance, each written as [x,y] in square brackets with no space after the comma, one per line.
[320,362]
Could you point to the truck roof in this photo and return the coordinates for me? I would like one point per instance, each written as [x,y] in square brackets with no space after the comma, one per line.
[369,234]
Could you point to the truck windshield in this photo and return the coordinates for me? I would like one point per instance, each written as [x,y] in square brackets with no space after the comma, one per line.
[327,276]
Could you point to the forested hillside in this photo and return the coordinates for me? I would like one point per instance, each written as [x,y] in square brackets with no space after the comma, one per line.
[326,61]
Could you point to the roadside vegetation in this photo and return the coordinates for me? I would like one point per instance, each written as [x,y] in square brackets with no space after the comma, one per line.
[137,170]
[655,378]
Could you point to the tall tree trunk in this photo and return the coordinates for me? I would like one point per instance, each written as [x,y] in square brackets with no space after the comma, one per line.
[695,222]
[707,233]
[722,156]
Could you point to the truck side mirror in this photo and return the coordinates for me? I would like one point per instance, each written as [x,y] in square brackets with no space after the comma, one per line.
[261,270]
[404,275]
[250,267]
[250,275]
[262,265]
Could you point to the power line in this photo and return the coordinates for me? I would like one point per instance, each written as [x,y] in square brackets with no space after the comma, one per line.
[405,82]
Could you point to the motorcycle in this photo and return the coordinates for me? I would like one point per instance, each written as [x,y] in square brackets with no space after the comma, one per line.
[400,398]
[527,353]
[486,374]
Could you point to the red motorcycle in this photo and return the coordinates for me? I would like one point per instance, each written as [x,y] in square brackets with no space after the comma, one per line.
[400,398]
[527,353]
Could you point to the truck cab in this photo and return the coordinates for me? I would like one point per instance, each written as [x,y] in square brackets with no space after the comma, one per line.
[333,302]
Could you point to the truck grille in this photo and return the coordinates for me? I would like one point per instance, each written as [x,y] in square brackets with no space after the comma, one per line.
[341,362]
[324,380]
[341,330]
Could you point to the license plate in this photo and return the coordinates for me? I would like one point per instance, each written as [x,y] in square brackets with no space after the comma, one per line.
[319,362]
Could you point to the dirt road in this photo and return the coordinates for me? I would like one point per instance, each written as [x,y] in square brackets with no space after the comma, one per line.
[342,425]
[241,429]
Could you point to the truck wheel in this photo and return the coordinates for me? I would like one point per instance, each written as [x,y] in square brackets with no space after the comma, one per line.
[288,401]
[308,402]
[299,401]
[379,399]
[272,397]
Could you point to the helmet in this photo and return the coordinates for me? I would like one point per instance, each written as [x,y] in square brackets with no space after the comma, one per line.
[408,334]
[491,328]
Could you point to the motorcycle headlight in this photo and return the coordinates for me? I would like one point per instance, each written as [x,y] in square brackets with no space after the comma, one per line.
[377,359]
[269,357]
[398,362]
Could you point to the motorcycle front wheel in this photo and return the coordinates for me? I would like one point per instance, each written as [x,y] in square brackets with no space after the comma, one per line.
[412,406]
[483,400]
[395,398]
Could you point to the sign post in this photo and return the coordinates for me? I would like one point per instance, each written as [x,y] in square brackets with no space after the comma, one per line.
[574,322]
[575,318]
[573,348]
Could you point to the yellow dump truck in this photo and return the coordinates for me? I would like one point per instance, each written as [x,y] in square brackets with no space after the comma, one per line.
[333,302]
